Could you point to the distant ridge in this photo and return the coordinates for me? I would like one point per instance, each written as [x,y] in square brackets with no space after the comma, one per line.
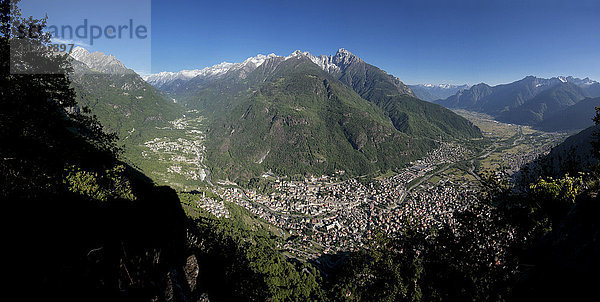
[578,116]
[528,101]
[544,104]
[431,92]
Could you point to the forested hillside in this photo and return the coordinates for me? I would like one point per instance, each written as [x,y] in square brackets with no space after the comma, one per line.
[304,121]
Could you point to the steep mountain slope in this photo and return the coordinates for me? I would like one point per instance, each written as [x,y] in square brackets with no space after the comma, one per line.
[303,120]
[572,156]
[408,113]
[430,93]
[575,153]
[122,100]
[593,89]
[98,62]
[578,116]
[546,103]
[364,78]
[306,114]
[214,93]
[80,215]
[141,116]
[222,75]
[425,94]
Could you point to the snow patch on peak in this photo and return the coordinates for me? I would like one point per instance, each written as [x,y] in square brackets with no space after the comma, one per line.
[330,64]
[344,51]
[324,62]
[443,86]
[164,77]
[79,52]
[258,60]
[343,57]
[299,53]
[214,71]
[580,82]
[99,61]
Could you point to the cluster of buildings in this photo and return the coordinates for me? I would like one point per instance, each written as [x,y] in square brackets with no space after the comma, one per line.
[513,162]
[324,215]
[185,155]
[432,206]
[213,206]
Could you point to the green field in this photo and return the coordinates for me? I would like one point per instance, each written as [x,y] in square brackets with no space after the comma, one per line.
[509,140]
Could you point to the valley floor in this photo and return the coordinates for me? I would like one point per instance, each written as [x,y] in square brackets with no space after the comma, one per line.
[327,215]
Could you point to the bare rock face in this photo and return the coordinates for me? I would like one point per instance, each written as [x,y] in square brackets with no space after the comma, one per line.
[99,62]
[191,271]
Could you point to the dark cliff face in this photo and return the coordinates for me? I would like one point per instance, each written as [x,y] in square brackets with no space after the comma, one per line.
[75,249]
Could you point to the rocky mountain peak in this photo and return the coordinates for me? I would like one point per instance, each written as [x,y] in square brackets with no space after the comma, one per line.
[344,58]
[99,61]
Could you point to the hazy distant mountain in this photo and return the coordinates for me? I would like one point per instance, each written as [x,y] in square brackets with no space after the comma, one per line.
[166,77]
[578,116]
[593,89]
[575,153]
[175,81]
[546,103]
[430,92]
[528,101]
[494,100]
[170,81]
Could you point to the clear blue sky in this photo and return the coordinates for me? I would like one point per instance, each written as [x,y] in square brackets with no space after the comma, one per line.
[417,41]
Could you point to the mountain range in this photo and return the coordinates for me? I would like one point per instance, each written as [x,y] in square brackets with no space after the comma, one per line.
[215,88]
[289,115]
[530,101]
[431,92]
[171,81]
[315,114]
[318,114]
[574,117]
